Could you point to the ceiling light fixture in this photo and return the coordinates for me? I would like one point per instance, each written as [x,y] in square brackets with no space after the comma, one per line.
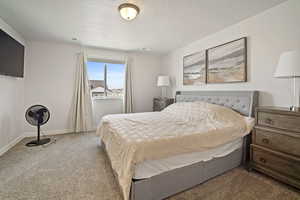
[128,11]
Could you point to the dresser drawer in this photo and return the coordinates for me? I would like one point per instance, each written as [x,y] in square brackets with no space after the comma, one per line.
[286,122]
[287,165]
[277,141]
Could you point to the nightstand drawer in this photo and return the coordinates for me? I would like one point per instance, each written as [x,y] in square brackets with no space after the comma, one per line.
[286,122]
[277,141]
[288,165]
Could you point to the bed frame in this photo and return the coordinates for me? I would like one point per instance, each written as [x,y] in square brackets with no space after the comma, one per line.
[177,180]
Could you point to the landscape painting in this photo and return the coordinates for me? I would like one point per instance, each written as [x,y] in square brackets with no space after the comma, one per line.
[227,63]
[194,69]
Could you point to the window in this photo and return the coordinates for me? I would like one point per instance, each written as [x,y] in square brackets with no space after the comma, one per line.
[106,79]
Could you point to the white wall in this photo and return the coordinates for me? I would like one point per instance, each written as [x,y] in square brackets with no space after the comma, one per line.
[145,71]
[269,34]
[102,107]
[11,100]
[50,81]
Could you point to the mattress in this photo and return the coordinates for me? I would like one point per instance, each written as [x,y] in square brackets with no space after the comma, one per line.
[152,168]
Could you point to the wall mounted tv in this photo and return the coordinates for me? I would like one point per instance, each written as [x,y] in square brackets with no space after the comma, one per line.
[11,56]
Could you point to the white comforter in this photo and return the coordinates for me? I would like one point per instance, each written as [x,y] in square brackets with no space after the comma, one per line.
[181,128]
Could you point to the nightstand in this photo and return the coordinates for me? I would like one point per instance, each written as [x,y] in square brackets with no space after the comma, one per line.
[275,148]
[161,103]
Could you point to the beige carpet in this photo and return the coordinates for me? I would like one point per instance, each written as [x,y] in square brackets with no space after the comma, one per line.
[75,168]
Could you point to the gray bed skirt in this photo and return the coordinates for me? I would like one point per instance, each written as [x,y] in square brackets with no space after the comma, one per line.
[172,182]
[177,180]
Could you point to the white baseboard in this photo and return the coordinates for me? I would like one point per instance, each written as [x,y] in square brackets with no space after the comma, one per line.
[11,144]
[32,134]
[52,132]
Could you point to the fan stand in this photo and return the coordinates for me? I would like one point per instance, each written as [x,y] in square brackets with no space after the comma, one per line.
[39,141]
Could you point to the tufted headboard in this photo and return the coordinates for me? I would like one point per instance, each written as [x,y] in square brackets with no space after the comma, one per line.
[243,102]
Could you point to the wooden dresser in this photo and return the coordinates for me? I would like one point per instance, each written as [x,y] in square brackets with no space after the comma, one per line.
[275,148]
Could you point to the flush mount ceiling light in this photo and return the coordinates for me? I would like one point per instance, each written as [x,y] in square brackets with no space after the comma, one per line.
[128,11]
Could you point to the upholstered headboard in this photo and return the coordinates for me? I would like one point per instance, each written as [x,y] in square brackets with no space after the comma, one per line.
[243,102]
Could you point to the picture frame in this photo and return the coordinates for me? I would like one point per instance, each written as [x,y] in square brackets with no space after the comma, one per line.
[227,63]
[194,68]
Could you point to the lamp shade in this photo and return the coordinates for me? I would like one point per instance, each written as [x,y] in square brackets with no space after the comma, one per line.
[288,65]
[163,81]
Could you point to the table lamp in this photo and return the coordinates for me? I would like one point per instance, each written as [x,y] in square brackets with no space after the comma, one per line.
[289,67]
[163,82]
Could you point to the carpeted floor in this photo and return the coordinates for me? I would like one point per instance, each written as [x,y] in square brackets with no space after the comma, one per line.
[75,168]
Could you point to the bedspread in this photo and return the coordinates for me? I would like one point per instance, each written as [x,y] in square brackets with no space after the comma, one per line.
[180,128]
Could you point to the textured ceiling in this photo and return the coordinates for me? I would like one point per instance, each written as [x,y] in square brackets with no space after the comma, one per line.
[162,25]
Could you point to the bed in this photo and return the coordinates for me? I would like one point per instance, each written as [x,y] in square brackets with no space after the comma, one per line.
[189,159]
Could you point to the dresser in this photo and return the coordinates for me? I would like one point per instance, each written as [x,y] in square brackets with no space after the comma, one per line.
[275,148]
[161,103]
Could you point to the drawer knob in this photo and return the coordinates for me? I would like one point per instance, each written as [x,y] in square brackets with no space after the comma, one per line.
[269,121]
[263,160]
[265,140]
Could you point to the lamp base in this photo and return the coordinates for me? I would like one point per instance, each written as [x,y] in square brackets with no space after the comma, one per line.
[294,108]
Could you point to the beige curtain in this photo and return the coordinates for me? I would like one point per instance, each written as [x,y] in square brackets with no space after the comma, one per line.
[82,112]
[127,100]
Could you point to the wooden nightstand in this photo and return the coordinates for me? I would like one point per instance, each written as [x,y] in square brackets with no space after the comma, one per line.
[161,103]
[275,148]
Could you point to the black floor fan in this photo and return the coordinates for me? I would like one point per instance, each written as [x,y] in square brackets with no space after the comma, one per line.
[37,115]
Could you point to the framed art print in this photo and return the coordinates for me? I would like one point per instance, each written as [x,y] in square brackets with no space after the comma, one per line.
[194,69]
[227,63]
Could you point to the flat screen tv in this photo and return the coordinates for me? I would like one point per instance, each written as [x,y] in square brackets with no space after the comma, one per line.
[11,56]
